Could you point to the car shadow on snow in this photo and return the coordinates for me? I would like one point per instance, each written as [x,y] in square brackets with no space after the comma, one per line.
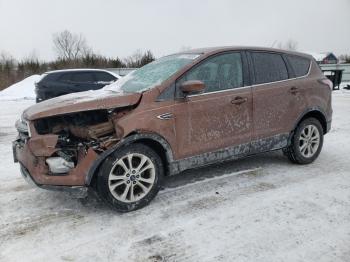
[61,208]
[224,168]
[93,203]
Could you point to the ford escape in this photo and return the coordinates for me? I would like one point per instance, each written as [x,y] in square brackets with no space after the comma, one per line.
[181,111]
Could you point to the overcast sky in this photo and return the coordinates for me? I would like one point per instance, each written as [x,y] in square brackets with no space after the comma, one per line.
[118,28]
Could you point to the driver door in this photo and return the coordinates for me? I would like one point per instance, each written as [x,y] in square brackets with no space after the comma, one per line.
[221,116]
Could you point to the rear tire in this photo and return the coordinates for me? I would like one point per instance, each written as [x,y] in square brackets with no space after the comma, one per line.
[130,177]
[306,143]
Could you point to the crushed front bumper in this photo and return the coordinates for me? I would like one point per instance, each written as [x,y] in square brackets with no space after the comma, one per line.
[35,171]
[74,191]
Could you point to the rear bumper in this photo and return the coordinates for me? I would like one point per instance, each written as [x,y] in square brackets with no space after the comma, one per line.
[74,191]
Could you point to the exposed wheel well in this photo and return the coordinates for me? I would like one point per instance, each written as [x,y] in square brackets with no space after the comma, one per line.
[159,149]
[319,116]
[162,148]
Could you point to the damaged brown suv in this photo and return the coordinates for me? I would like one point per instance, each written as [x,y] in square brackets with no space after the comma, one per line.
[182,111]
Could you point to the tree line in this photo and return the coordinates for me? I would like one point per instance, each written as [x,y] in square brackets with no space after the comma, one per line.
[72,51]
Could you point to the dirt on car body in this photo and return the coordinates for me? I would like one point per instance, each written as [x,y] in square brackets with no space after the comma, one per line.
[182,111]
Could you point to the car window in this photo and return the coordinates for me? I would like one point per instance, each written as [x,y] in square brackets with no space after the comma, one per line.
[300,65]
[220,72]
[83,77]
[268,67]
[104,77]
[67,77]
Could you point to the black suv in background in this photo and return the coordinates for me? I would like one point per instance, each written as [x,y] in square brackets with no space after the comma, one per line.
[61,82]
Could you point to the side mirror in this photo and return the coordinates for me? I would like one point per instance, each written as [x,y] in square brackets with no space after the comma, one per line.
[192,87]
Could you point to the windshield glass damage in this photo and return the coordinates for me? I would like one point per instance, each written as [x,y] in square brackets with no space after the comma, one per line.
[152,74]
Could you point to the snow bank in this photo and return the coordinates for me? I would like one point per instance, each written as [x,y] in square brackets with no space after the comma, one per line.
[20,90]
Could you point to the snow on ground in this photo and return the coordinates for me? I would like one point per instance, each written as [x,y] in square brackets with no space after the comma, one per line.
[343,85]
[261,208]
[21,90]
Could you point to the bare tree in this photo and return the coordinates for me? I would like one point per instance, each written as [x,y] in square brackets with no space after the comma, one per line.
[6,58]
[32,56]
[133,60]
[30,65]
[69,46]
[7,69]
[7,63]
[292,45]
[289,45]
[138,59]
[344,59]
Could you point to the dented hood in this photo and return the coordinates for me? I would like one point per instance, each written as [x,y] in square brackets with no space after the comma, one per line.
[82,101]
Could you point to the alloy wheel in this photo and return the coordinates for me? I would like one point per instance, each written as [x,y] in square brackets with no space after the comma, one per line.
[131,177]
[309,141]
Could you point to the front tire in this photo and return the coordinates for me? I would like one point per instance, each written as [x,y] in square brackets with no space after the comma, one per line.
[306,143]
[130,177]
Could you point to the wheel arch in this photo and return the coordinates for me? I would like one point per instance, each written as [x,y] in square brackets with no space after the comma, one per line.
[311,112]
[315,113]
[154,141]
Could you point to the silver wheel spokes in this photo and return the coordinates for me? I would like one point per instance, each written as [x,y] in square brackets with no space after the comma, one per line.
[309,141]
[131,177]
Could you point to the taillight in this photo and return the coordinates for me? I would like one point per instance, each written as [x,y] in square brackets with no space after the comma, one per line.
[326,81]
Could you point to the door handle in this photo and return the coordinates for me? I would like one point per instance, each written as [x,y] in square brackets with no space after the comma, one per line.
[294,90]
[239,100]
[165,116]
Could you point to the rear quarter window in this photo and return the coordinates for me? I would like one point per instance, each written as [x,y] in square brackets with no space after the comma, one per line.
[43,77]
[104,77]
[300,65]
[268,67]
[49,77]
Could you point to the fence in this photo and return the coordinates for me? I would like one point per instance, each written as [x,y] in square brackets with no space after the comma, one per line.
[121,71]
[345,67]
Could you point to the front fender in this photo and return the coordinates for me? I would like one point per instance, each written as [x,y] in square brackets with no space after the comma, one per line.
[124,142]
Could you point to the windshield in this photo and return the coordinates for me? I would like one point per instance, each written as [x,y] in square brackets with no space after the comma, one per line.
[152,74]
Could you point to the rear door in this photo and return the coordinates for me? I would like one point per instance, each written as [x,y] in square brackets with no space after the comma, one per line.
[219,118]
[276,100]
[83,81]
